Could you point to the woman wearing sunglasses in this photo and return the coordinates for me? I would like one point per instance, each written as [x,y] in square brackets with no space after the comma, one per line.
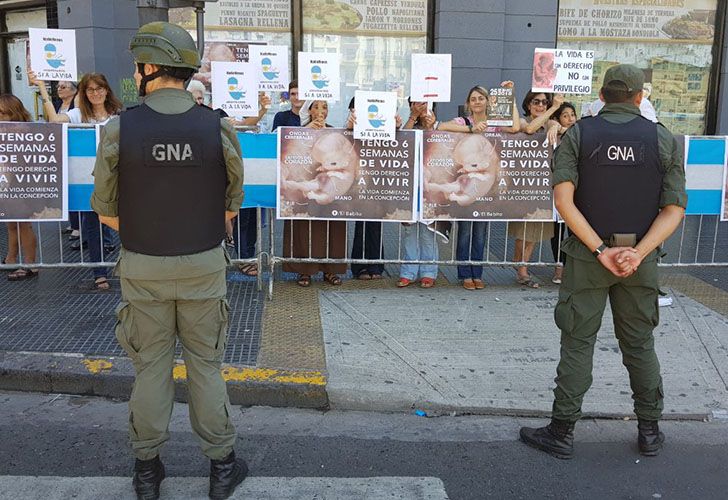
[539,108]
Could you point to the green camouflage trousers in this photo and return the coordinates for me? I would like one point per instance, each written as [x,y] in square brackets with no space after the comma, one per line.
[582,298]
[151,316]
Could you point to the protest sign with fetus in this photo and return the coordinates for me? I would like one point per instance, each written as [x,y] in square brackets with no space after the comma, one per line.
[317,167]
[465,171]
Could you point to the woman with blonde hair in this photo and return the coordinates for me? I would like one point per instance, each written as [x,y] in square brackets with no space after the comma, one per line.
[471,234]
[96,104]
[21,238]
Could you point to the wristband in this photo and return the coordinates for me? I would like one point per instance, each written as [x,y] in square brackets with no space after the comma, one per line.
[601,248]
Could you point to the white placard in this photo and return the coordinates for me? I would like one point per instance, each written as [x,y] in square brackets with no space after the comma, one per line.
[235,88]
[563,71]
[53,54]
[375,115]
[431,77]
[319,76]
[272,64]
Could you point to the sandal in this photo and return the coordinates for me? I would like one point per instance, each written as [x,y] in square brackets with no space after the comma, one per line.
[427,282]
[527,281]
[376,276]
[304,280]
[249,269]
[22,274]
[364,276]
[332,279]
[403,282]
[101,284]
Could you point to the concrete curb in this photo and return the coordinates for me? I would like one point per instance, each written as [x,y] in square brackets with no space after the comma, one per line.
[113,377]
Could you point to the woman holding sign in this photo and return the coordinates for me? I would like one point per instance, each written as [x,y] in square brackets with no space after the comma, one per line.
[96,104]
[539,108]
[21,238]
[314,239]
[471,234]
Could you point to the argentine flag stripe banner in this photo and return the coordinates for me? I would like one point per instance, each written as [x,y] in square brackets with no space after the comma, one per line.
[705,160]
[259,163]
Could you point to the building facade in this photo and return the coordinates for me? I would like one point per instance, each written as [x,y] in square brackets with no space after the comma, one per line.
[680,44]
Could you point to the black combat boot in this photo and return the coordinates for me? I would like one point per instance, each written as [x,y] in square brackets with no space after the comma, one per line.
[649,437]
[148,475]
[556,439]
[226,475]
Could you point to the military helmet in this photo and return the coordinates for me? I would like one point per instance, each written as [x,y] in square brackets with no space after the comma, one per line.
[165,44]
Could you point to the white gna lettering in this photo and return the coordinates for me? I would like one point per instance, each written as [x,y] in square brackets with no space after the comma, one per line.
[169,152]
[620,153]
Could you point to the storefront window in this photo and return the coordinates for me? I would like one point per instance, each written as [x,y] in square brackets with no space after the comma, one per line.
[672,40]
[231,26]
[375,43]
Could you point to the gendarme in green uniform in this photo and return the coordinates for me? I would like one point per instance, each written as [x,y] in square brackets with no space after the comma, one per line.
[586,283]
[629,173]
[151,286]
[170,292]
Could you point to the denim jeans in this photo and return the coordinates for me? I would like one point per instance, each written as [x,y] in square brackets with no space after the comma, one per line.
[92,239]
[419,244]
[471,246]
[245,237]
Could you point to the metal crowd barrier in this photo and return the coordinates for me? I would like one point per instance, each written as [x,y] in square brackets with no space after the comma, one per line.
[701,240]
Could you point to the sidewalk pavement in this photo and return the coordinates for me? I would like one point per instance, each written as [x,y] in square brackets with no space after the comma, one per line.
[371,346]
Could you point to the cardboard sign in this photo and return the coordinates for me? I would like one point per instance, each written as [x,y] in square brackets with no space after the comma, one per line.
[326,174]
[375,115]
[431,77]
[563,71]
[489,176]
[235,88]
[500,107]
[53,54]
[272,64]
[319,76]
[33,171]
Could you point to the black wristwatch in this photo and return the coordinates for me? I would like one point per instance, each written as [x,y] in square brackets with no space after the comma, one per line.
[599,250]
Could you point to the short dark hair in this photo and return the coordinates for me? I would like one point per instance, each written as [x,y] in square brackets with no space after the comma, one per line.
[616,92]
[293,85]
[562,108]
[530,96]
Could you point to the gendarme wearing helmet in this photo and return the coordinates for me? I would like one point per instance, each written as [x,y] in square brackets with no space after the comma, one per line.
[163,50]
[157,158]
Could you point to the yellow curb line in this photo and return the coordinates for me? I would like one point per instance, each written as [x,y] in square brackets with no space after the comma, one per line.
[230,373]
[234,374]
[97,366]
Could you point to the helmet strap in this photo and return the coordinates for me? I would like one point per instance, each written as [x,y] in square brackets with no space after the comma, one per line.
[147,78]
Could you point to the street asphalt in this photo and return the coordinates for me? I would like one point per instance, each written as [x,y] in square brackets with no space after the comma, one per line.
[60,446]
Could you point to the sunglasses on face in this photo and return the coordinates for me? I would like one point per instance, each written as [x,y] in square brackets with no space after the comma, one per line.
[542,102]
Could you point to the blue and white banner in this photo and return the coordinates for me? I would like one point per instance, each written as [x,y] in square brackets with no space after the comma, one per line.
[705,164]
[705,160]
[259,162]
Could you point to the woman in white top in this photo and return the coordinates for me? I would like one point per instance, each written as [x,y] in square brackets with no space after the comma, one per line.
[96,104]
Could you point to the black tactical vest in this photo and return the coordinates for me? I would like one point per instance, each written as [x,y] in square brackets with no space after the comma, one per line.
[620,175]
[172,180]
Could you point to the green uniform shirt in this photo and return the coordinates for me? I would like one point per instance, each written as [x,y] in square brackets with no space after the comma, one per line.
[566,157]
[105,197]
